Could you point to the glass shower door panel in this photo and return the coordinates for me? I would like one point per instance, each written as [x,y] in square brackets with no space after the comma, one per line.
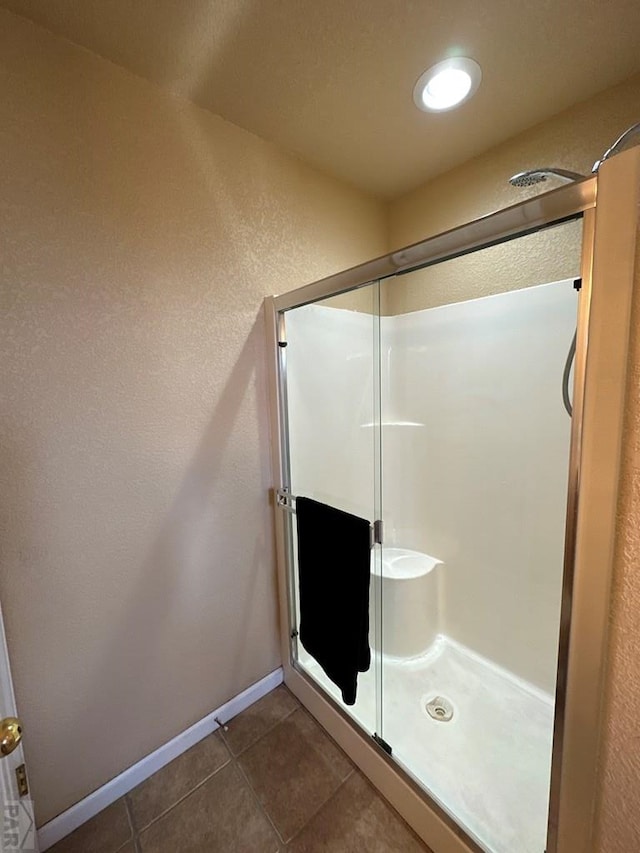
[334,445]
[475,443]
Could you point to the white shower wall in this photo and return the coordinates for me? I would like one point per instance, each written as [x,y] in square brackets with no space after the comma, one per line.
[482,485]
[475,452]
[330,386]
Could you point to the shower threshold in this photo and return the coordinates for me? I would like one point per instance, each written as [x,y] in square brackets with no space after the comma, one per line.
[489,766]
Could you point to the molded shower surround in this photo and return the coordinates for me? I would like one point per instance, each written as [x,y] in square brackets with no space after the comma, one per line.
[475,454]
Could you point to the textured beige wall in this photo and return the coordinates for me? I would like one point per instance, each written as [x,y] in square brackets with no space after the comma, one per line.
[549,255]
[573,140]
[139,235]
[619,801]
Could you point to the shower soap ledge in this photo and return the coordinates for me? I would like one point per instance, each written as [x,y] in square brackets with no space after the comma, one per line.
[394,424]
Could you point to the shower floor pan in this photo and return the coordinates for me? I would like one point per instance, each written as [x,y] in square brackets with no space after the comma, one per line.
[489,763]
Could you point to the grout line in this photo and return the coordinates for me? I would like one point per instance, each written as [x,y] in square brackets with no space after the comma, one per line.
[236,762]
[185,796]
[256,799]
[321,806]
[264,733]
[231,759]
[279,836]
[127,808]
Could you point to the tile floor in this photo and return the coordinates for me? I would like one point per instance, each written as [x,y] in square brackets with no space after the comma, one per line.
[274,782]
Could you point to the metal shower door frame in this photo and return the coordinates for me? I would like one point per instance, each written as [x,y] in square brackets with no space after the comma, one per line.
[608,203]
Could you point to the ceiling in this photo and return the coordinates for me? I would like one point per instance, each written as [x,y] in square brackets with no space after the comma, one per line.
[332,80]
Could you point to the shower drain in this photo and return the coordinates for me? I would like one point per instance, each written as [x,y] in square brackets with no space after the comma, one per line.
[440,709]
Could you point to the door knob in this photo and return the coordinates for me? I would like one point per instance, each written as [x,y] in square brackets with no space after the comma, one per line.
[10,734]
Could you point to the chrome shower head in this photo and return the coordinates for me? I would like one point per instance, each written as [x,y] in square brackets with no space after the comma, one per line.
[527,179]
[537,176]
[617,145]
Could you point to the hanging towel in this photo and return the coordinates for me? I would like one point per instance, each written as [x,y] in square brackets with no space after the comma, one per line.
[334,554]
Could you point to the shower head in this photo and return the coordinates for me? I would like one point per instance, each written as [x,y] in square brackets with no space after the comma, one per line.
[537,176]
[617,145]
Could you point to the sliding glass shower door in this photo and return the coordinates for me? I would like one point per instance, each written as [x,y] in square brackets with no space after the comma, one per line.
[435,406]
[475,445]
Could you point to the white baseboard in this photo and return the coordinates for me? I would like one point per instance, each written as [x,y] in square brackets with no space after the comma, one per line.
[64,824]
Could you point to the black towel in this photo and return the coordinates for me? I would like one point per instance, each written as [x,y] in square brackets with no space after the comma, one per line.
[334,554]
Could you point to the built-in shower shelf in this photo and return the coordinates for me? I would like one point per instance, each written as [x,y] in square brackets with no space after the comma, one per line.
[394,424]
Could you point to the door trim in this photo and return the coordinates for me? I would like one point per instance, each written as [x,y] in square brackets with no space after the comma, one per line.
[602,356]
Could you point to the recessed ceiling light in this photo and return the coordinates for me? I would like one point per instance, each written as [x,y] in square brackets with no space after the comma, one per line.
[447,84]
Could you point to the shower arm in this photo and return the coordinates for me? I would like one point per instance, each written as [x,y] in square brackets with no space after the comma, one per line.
[620,141]
[563,173]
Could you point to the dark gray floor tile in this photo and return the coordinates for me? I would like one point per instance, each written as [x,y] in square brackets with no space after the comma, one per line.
[357,818]
[251,724]
[293,769]
[173,782]
[107,832]
[221,816]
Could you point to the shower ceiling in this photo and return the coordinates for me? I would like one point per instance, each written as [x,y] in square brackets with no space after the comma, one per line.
[332,81]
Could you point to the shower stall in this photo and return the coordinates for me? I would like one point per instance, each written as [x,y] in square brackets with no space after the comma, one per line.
[423,392]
